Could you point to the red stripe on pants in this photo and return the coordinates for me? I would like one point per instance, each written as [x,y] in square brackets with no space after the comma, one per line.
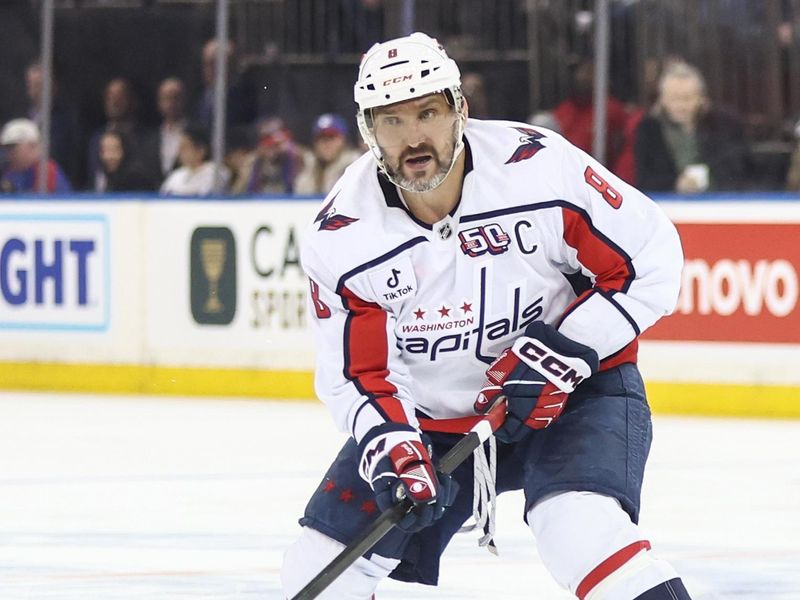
[608,566]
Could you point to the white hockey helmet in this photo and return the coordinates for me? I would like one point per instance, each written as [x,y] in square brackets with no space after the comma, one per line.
[403,69]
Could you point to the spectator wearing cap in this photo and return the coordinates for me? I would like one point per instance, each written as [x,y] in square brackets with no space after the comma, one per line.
[279,159]
[22,143]
[197,175]
[329,156]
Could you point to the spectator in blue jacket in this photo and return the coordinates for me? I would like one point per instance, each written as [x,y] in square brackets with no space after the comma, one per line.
[22,143]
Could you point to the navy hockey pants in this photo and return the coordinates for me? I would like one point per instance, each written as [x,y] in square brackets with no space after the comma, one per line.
[600,444]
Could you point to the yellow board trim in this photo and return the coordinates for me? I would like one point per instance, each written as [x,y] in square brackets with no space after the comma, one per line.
[136,379]
[665,397]
[709,399]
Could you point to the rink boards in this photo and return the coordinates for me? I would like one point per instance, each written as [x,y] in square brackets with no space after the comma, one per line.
[207,297]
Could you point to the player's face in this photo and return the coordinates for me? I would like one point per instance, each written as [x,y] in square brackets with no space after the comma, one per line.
[417,140]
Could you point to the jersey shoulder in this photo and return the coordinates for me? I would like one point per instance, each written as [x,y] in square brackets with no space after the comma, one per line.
[350,229]
[513,143]
[518,162]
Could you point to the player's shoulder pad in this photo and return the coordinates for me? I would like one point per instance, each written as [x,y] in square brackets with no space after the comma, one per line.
[343,209]
[514,144]
[349,228]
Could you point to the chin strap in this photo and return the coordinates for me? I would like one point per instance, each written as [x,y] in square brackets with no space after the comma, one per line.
[484,497]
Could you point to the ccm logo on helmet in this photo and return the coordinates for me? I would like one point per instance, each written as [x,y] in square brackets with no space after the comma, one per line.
[398,79]
[550,363]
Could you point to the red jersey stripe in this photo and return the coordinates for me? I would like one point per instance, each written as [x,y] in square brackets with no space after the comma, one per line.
[393,408]
[366,348]
[612,267]
[628,354]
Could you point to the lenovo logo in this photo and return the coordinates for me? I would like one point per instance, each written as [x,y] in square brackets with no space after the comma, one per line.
[727,286]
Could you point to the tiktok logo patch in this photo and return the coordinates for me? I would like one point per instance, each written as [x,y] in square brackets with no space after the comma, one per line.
[394,282]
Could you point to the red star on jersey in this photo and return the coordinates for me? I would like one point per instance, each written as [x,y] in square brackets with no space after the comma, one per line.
[444,311]
[466,307]
[346,496]
[419,313]
[368,506]
[329,485]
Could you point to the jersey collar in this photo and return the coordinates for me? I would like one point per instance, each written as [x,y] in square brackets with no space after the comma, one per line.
[392,198]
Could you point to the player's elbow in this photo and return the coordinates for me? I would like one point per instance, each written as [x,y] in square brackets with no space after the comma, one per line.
[671,268]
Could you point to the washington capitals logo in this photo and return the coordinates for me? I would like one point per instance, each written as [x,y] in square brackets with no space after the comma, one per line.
[328,219]
[530,145]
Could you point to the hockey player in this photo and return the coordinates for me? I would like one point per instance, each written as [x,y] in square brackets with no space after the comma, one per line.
[459,261]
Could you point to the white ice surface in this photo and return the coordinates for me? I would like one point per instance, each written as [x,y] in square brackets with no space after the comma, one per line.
[143,497]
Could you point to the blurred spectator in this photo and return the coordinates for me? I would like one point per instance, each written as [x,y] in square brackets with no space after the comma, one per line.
[240,158]
[63,126]
[121,172]
[546,119]
[171,102]
[575,114]
[197,175]
[23,151]
[120,105]
[329,156]
[686,145]
[239,103]
[625,165]
[474,90]
[279,158]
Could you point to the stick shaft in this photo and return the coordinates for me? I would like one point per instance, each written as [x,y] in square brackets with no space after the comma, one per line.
[392,516]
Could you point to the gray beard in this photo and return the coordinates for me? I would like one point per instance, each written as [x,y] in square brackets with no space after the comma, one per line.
[422,185]
[419,185]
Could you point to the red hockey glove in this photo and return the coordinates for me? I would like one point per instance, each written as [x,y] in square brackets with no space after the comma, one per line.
[397,464]
[536,375]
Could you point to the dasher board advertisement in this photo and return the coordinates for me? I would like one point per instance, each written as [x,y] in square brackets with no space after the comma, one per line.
[54,270]
[740,280]
[225,286]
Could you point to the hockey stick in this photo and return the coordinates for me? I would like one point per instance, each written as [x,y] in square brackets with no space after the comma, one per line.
[479,433]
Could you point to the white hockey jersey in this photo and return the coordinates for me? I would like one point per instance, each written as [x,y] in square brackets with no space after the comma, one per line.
[407,316]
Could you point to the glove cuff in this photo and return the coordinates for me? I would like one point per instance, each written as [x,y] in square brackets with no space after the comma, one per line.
[377,443]
[563,362]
